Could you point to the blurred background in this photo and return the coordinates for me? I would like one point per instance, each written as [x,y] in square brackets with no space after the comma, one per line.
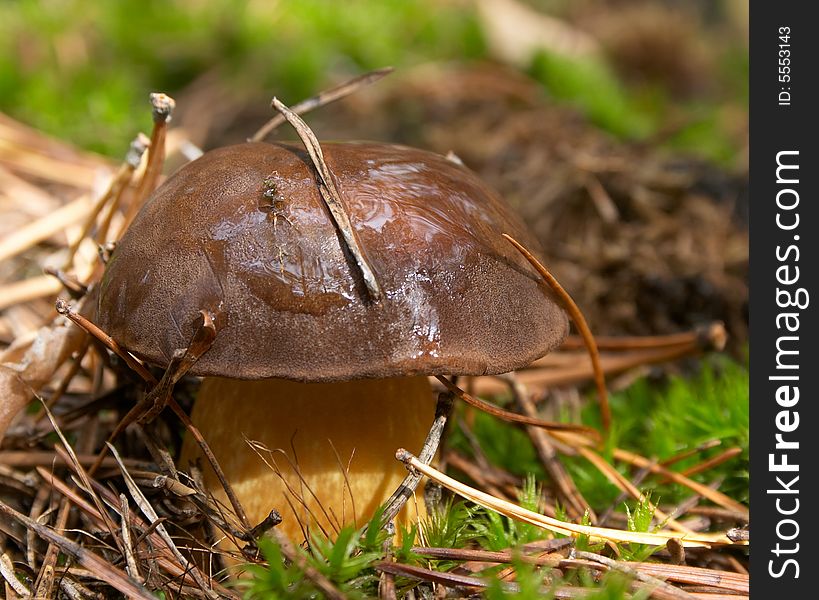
[618,128]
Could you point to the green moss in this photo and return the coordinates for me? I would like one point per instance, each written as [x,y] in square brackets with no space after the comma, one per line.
[82,70]
[592,86]
[654,420]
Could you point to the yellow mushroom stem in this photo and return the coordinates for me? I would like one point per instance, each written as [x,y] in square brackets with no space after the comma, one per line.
[322,454]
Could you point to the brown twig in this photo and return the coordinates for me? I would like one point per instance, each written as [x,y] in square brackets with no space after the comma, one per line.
[27,290]
[709,337]
[332,199]
[386,583]
[64,309]
[624,485]
[433,440]
[54,222]
[131,566]
[322,99]
[564,527]
[161,108]
[76,363]
[148,510]
[512,417]
[118,183]
[488,480]
[181,362]
[8,574]
[133,160]
[71,459]
[101,568]
[211,458]
[574,369]
[580,322]
[668,590]
[570,495]
[146,375]
[45,577]
[712,462]
[690,452]
[713,495]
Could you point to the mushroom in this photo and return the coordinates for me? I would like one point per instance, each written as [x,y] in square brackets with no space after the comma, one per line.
[304,360]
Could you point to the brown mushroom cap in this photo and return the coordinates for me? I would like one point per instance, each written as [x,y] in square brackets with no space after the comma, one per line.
[242,231]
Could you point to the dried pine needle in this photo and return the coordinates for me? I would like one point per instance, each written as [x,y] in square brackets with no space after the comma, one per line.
[579,321]
[603,534]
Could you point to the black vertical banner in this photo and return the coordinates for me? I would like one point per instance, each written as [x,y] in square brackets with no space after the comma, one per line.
[784,46]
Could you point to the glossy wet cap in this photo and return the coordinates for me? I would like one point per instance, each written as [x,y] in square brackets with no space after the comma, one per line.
[243,232]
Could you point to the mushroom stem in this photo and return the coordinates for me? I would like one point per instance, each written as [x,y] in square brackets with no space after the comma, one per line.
[322,454]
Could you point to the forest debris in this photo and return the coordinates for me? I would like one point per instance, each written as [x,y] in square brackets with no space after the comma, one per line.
[24,370]
[689,540]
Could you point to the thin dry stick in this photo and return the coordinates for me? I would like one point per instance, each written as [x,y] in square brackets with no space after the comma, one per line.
[712,462]
[487,472]
[549,559]
[616,478]
[711,335]
[439,577]
[512,417]
[713,495]
[39,506]
[487,480]
[579,321]
[100,568]
[160,393]
[566,528]
[161,108]
[7,572]
[211,458]
[125,527]
[118,183]
[24,459]
[150,514]
[29,151]
[659,584]
[44,583]
[322,99]
[345,472]
[735,582]
[386,583]
[71,284]
[71,458]
[146,375]
[76,363]
[161,555]
[64,309]
[691,452]
[548,456]
[581,370]
[472,585]
[692,501]
[45,577]
[332,198]
[299,494]
[431,444]
[181,362]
